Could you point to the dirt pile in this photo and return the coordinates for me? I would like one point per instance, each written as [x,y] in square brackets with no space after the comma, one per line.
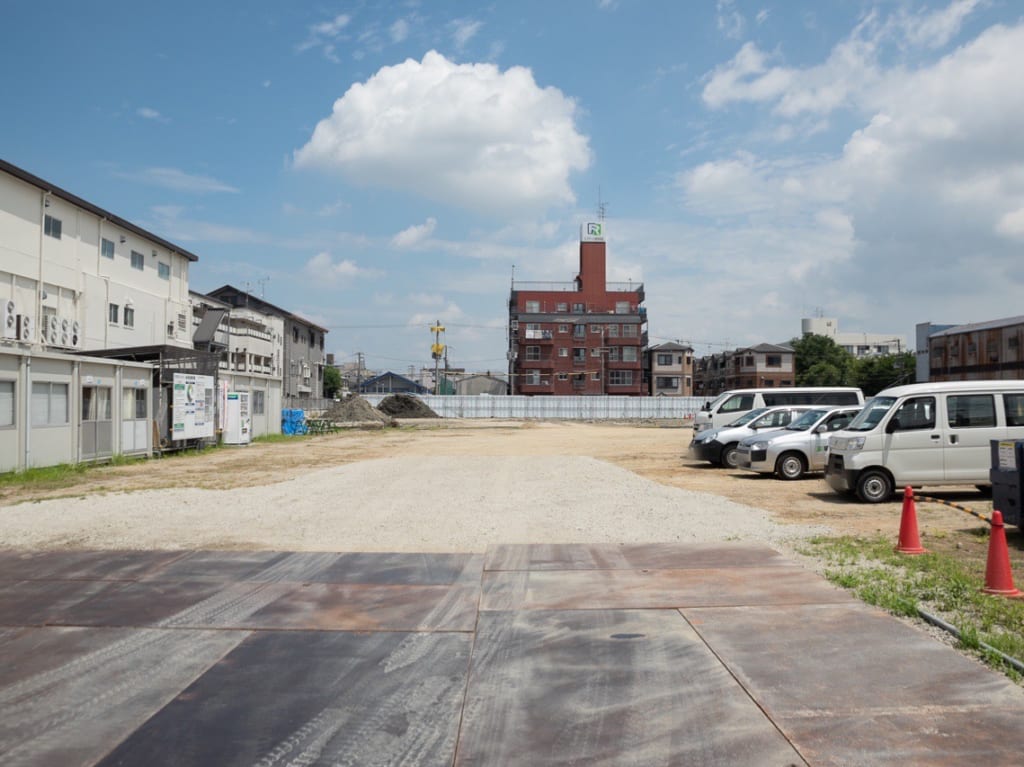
[354,409]
[405,406]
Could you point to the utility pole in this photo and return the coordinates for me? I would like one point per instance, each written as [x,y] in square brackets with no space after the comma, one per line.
[436,351]
[359,370]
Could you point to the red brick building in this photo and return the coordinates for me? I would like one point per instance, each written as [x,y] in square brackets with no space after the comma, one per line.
[581,337]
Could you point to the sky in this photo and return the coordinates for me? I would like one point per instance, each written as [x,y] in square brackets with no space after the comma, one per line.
[379,166]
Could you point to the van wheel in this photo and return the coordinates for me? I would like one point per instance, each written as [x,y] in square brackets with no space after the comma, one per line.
[730,456]
[874,486]
[790,466]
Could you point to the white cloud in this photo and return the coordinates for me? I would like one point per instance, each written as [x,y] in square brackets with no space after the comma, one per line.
[414,235]
[323,268]
[446,313]
[730,21]
[149,114]
[399,31]
[935,29]
[178,180]
[1011,224]
[463,30]
[170,222]
[762,16]
[322,34]
[462,134]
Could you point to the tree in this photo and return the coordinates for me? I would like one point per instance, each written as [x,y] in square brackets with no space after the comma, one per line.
[332,381]
[822,362]
[873,374]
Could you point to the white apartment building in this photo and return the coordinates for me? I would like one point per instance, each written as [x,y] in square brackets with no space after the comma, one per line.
[251,347]
[857,344]
[75,278]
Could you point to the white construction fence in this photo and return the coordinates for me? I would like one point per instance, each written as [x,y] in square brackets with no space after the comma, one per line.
[568,408]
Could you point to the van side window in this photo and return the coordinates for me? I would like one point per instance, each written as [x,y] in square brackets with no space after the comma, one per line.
[971,410]
[737,402]
[1014,406]
[915,413]
[838,421]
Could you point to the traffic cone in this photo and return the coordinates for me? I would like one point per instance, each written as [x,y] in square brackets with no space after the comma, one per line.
[910,542]
[998,576]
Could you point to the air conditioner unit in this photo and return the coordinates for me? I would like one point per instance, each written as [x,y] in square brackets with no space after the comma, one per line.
[65,325]
[65,339]
[53,324]
[76,335]
[9,320]
[26,329]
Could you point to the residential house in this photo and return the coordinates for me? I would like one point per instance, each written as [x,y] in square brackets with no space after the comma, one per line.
[978,351]
[669,370]
[758,366]
[582,337]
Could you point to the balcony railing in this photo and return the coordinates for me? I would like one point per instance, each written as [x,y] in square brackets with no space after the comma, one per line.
[538,335]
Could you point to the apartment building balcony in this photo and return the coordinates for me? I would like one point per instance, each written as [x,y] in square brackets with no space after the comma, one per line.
[535,386]
[544,363]
[536,336]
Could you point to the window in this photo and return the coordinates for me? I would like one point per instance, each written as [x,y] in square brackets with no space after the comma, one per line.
[915,413]
[578,308]
[181,323]
[620,377]
[579,355]
[49,404]
[579,331]
[629,354]
[129,317]
[163,270]
[613,353]
[629,331]
[133,404]
[971,410]
[563,328]
[112,313]
[622,307]
[773,360]
[107,248]
[595,352]
[51,226]
[748,360]
[138,260]
[563,376]
[6,403]
[595,328]
[533,307]
[596,376]
[563,352]
[666,382]
[170,330]
[1014,406]
[533,377]
[95,403]
[532,353]
[612,331]
[561,307]
[258,402]
[664,359]
[737,402]
[295,335]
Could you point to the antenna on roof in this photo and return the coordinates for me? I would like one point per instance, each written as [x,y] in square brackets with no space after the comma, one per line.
[602,206]
[263,283]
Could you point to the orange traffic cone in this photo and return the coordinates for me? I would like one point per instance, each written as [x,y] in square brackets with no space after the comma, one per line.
[998,576]
[910,542]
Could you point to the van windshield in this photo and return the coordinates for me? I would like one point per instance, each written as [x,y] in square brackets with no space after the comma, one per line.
[807,420]
[748,417]
[873,412]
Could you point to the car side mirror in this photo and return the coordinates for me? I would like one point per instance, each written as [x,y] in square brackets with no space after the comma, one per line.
[821,429]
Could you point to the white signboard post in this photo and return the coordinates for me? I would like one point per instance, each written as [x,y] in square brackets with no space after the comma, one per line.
[193,407]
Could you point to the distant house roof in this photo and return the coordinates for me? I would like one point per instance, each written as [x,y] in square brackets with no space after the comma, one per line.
[990,325]
[394,382]
[56,191]
[227,291]
[784,348]
[671,346]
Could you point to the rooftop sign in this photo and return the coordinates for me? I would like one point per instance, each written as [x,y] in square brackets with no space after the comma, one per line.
[592,232]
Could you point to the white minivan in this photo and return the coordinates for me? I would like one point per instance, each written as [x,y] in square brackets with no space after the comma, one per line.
[730,405]
[925,434]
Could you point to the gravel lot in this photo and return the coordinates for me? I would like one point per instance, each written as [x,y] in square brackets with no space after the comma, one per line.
[432,503]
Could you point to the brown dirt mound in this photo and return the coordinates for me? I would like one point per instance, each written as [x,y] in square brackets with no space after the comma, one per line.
[405,406]
[354,409]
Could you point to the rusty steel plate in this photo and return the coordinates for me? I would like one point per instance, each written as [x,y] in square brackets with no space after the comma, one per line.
[617,589]
[82,565]
[218,565]
[607,687]
[652,556]
[36,603]
[314,698]
[69,695]
[370,607]
[403,568]
[136,604]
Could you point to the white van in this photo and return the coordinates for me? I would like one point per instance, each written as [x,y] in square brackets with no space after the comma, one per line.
[925,434]
[730,405]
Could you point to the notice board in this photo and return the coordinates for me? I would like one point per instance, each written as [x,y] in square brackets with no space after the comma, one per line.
[193,406]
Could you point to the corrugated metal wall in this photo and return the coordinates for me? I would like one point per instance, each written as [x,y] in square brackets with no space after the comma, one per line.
[568,408]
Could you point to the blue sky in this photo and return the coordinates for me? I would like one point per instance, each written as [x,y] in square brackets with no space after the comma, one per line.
[377,166]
